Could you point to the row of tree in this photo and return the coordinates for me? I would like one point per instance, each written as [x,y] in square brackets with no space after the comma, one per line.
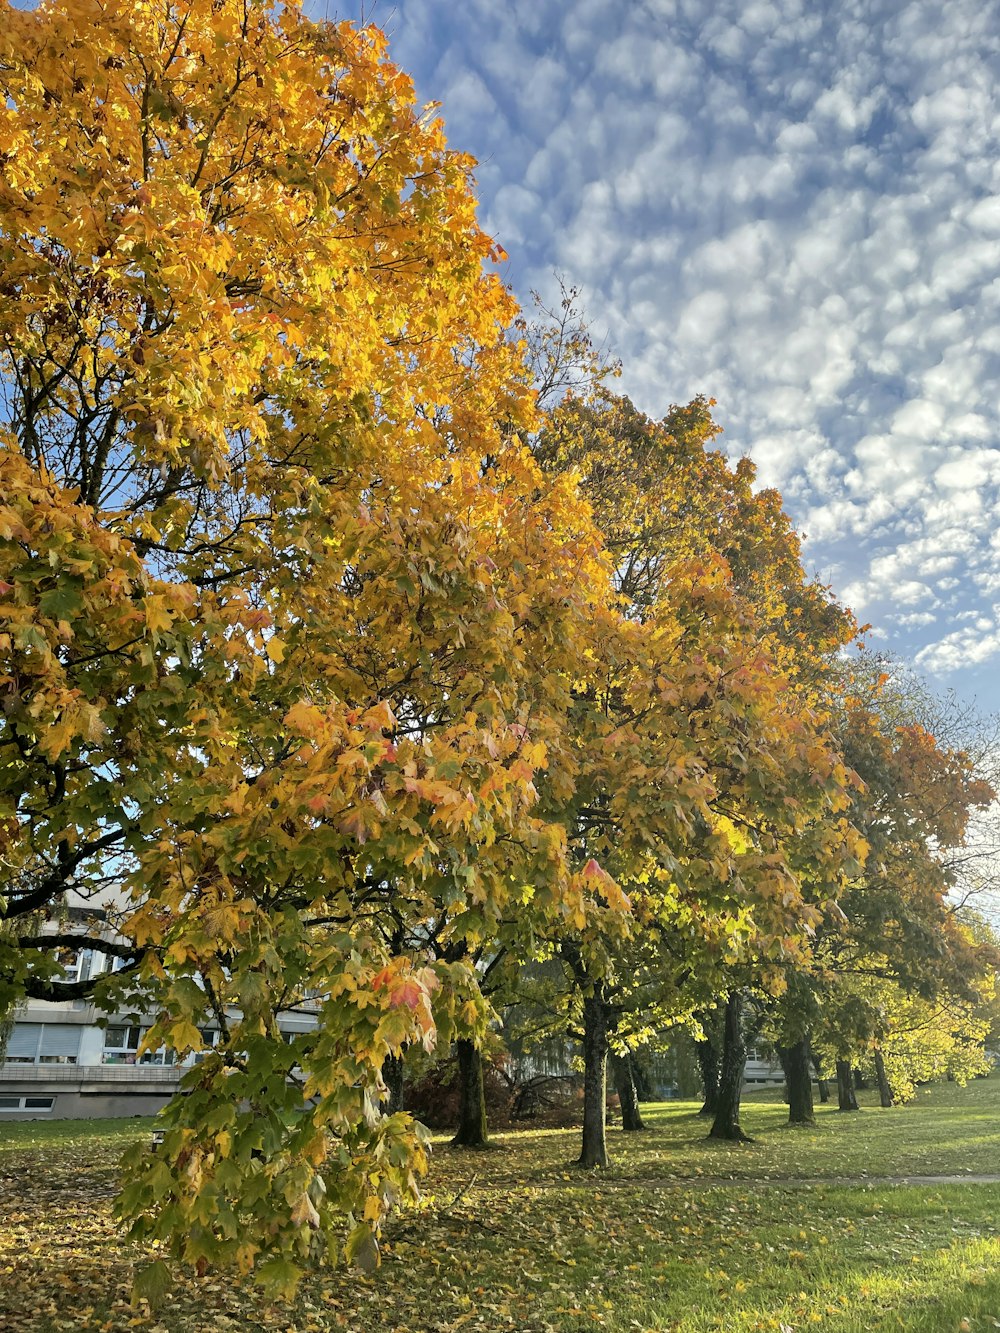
[360,648]
[897,980]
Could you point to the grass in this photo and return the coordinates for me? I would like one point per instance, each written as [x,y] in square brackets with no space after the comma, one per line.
[534,1246]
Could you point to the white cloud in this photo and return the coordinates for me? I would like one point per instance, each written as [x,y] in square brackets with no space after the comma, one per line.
[704,317]
[793,208]
[985,215]
[961,648]
[965,471]
[915,619]
[920,419]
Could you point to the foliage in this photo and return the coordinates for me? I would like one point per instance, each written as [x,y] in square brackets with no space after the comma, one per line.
[706,781]
[930,1041]
[434,1098]
[711,574]
[279,653]
[904,950]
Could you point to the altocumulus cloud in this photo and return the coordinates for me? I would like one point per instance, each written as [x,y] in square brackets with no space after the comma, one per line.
[793,207]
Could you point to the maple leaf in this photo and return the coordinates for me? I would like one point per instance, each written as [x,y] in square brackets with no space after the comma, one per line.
[407,992]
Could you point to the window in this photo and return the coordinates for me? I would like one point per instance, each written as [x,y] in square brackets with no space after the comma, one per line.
[80,966]
[159,1057]
[22,1044]
[44,1044]
[60,1044]
[121,1045]
[26,1104]
[210,1036]
[119,1042]
[89,964]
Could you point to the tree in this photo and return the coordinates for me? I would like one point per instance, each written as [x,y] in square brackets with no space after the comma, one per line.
[899,932]
[624,1076]
[288,618]
[914,1040]
[708,1047]
[704,777]
[726,1123]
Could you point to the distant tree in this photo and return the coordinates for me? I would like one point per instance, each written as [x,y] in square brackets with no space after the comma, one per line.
[898,930]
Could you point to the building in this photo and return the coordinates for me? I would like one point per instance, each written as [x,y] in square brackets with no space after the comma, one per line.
[69,1060]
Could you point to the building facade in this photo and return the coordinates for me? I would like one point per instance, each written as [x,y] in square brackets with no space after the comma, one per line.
[69,1060]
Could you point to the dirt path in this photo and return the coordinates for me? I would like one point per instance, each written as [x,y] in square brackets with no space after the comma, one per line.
[752,1182]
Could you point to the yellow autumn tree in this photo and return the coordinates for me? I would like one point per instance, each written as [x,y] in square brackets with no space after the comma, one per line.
[288,618]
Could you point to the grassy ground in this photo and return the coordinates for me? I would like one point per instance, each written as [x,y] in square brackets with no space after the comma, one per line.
[533,1246]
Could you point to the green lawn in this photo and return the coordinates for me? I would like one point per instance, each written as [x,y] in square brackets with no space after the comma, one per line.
[535,1246]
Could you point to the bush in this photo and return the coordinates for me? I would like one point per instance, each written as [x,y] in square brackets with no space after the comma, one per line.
[550,1100]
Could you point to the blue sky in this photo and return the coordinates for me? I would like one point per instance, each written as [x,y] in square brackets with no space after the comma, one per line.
[794,208]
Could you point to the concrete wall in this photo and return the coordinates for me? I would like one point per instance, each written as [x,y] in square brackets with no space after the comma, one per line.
[73,1105]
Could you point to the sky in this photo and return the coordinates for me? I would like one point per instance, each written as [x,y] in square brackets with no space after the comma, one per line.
[793,208]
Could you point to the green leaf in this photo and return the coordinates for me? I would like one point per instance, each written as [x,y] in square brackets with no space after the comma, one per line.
[152,1284]
[62,602]
[362,1248]
[279,1276]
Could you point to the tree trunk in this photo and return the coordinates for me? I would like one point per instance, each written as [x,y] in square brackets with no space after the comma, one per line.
[821,1083]
[860,1082]
[594,1151]
[884,1086]
[798,1079]
[621,1068]
[640,1077]
[846,1099]
[734,1057]
[392,1077]
[708,1063]
[472,1131]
